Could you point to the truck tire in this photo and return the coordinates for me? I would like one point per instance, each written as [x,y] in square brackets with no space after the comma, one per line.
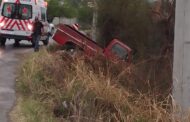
[2,41]
[45,42]
[52,31]
[72,49]
[69,46]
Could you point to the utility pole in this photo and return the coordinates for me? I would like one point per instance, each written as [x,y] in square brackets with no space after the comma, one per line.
[94,21]
[181,70]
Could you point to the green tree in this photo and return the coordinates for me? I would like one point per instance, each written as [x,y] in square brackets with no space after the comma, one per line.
[127,20]
[85,14]
[145,26]
[70,9]
[54,9]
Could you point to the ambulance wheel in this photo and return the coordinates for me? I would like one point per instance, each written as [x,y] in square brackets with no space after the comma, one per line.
[2,41]
[33,43]
[16,44]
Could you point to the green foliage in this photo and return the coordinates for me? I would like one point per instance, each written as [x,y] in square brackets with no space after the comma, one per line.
[57,9]
[70,9]
[128,20]
[85,15]
[34,111]
[54,9]
[73,3]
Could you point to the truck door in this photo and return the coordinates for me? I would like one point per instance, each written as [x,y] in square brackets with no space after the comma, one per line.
[44,21]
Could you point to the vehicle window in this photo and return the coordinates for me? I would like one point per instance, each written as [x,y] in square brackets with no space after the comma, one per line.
[43,14]
[8,10]
[17,11]
[25,11]
[120,51]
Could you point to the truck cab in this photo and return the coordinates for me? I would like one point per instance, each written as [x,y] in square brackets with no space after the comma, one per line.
[116,51]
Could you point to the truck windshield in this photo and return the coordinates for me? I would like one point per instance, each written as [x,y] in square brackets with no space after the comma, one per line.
[120,51]
[17,11]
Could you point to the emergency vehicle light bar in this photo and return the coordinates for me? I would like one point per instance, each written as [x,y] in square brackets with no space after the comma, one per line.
[5,0]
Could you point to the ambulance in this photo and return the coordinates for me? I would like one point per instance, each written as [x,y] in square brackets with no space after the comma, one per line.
[17,17]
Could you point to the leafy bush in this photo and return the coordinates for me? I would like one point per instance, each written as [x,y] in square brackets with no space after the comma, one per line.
[85,15]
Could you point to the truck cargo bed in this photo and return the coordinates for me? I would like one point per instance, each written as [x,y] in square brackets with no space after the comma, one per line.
[66,33]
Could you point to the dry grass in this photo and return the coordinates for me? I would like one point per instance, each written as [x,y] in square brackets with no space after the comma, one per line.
[77,89]
[16,115]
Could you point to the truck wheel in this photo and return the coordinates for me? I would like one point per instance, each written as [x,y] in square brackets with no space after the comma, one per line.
[52,31]
[69,46]
[46,42]
[2,41]
[72,49]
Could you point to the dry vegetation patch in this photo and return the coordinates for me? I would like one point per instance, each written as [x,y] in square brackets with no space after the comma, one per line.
[58,87]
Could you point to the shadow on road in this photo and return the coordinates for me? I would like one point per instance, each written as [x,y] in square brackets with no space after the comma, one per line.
[9,48]
[23,46]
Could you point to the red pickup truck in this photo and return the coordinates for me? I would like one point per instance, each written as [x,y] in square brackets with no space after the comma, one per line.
[116,51]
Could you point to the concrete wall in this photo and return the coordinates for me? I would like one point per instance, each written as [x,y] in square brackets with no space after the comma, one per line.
[181,71]
[58,20]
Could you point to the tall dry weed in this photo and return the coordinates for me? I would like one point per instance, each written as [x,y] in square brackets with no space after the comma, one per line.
[80,89]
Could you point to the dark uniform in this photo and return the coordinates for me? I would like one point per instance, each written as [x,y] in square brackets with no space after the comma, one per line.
[37,32]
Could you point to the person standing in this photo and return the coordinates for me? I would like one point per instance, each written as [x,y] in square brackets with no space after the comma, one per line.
[37,32]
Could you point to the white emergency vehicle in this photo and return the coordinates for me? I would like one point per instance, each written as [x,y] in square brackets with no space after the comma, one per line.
[17,17]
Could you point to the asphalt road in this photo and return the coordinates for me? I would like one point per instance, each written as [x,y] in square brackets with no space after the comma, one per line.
[10,58]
